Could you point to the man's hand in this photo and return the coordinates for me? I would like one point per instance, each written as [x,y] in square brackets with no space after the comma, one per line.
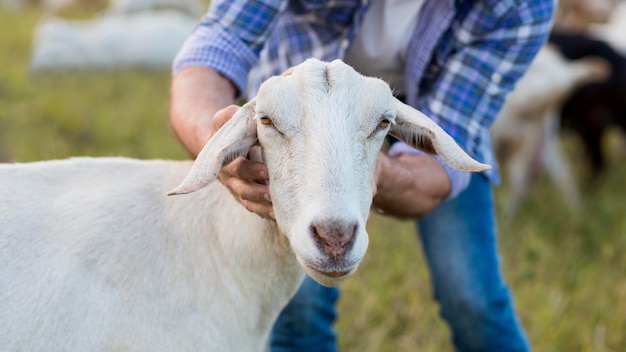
[409,186]
[246,178]
[201,102]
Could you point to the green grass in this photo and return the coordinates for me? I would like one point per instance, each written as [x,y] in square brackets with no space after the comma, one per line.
[568,272]
[46,116]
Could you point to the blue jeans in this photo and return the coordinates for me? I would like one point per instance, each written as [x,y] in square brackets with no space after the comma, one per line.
[305,324]
[459,242]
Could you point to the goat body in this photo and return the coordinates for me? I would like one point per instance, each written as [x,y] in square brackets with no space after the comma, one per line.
[94,256]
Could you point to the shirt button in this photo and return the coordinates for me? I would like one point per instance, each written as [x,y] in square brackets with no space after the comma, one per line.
[496,78]
[493,89]
[345,43]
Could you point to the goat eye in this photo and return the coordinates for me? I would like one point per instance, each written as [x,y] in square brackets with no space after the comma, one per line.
[266,120]
[384,123]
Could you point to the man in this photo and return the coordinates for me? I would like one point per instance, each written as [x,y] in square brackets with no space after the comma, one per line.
[453,60]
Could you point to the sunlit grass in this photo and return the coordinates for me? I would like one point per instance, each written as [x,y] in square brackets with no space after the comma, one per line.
[567,271]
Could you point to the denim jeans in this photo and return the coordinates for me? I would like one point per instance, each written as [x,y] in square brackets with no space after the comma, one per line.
[305,324]
[459,242]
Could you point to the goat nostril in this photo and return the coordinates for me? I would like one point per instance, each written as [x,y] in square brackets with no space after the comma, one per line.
[334,237]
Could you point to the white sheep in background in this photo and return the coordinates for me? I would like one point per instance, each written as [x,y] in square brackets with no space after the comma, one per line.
[95,257]
[195,8]
[527,128]
[139,40]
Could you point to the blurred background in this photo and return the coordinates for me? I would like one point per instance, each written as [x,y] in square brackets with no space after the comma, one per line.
[91,77]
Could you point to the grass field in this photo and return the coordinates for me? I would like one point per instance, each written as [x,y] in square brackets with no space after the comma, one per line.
[568,273]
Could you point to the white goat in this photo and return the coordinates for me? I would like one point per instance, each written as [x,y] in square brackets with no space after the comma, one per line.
[95,257]
[144,39]
[527,128]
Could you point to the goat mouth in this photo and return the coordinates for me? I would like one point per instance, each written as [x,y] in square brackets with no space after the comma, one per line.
[334,274]
[331,274]
[328,274]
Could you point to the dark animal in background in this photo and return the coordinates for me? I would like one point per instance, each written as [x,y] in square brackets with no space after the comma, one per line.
[594,107]
[526,132]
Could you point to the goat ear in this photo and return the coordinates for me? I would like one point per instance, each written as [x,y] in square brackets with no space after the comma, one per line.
[232,140]
[419,131]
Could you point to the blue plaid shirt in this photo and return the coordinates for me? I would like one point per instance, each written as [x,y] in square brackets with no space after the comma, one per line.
[483,50]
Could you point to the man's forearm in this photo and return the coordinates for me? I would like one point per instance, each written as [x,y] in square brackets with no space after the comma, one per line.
[410,186]
[197,93]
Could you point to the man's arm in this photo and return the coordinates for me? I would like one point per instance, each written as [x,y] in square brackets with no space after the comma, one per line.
[197,93]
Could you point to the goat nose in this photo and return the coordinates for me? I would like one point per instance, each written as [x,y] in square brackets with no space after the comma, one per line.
[333,237]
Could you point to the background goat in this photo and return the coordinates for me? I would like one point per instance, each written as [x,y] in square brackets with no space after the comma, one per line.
[594,108]
[93,256]
[148,40]
[526,131]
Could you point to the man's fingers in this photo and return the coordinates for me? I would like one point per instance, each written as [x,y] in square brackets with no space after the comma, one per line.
[249,191]
[264,210]
[245,169]
[253,196]
[246,181]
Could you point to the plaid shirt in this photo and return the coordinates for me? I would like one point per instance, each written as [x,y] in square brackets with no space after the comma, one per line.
[483,50]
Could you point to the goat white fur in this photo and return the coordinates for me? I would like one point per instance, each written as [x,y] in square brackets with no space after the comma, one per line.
[95,257]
